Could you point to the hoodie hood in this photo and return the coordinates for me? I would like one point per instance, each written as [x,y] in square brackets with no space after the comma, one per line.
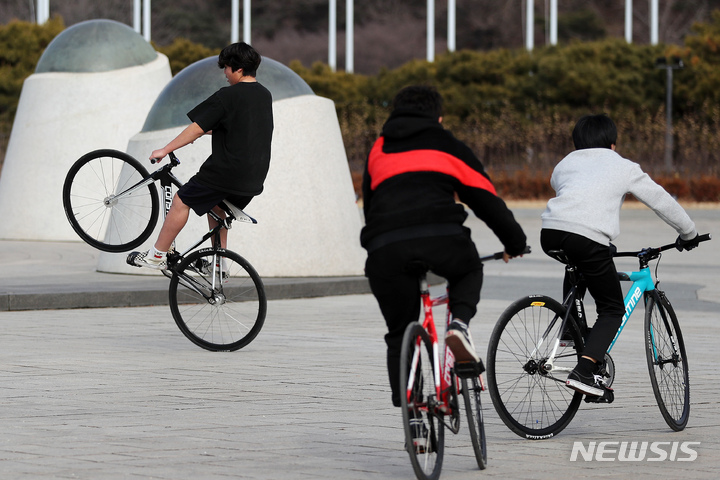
[406,123]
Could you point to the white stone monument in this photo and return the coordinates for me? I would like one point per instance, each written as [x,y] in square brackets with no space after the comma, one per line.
[92,88]
[308,220]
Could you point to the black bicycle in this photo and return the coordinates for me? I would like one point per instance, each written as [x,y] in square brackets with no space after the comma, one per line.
[216,297]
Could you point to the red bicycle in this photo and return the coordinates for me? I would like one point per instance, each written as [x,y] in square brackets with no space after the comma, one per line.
[432,389]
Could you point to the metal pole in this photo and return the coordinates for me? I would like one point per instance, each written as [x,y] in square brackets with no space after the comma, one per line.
[332,35]
[628,20]
[146,20]
[451,26]
[246,21]
[529,24]
[668,120]
[653,22]
[553,22]
[430,30]
[137,16]
[235,21]
[349,34]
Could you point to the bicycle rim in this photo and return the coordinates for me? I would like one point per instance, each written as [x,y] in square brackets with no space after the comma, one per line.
[424,434]
[473,407]
[532,400]
[217,300]
[98,210]
[667,363]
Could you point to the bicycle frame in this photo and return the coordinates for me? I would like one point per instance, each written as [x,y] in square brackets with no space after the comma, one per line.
[443,378]
[642,282]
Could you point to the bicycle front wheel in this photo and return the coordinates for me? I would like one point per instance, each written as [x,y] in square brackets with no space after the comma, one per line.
[471,389]
[667,362]
[103,207]
[217,299]
[424,433]
[526,385]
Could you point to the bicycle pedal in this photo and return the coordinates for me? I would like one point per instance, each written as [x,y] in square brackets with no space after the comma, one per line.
[469,369]
[607,397]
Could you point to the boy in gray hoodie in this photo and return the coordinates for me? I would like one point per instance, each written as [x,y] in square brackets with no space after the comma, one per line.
[584,217]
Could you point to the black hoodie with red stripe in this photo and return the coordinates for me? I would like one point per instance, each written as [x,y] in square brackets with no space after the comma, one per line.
[412,175]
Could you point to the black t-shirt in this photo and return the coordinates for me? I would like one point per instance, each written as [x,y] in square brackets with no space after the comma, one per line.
[241,119]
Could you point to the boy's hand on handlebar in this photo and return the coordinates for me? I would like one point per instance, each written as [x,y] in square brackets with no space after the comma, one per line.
[157,155]
[681,244]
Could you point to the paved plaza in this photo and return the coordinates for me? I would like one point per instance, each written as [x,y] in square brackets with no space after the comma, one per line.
[119,393]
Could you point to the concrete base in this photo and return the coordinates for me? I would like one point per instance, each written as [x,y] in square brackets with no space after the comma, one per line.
[60,117]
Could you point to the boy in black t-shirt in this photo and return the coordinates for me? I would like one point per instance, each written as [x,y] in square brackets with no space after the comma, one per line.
[240,119]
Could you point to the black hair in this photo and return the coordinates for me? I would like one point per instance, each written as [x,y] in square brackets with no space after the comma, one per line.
[240,55]
[419,98]
[594,131]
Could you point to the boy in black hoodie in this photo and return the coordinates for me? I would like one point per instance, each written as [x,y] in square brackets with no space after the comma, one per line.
[413,174]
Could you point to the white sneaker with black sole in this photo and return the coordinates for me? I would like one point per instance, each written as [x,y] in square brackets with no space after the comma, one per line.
[460,342]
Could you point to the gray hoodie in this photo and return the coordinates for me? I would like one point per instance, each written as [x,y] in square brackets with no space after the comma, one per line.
[590,187]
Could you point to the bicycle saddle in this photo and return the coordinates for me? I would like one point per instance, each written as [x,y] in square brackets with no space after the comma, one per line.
[236,212]
[559,255]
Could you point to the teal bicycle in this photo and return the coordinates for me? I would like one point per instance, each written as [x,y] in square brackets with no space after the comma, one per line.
[537,342]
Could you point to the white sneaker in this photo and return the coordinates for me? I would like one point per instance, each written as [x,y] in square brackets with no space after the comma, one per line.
[146,259]
[460,342]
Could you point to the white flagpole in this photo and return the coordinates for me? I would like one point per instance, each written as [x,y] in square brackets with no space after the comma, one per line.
[451,26]
[653,22]
[553,22]
[235,21]
[529,24]
[349,34]
[137,15]
[430,30]
[146,20]
[628,20]
[332,35]
[246,21]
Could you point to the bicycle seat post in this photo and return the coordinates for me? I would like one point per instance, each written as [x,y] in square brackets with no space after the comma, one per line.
[424,284]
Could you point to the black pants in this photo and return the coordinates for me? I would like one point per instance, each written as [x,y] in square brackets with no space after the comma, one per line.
[595,262]
[397,291]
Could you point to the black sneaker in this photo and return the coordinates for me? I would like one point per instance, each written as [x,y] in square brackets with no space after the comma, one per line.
[460,342]
[587,382]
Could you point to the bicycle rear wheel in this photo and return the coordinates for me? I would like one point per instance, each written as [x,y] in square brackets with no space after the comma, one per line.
[667,362]
[471,389]
[217,299]
[424,433]
[100,208]
[529,394]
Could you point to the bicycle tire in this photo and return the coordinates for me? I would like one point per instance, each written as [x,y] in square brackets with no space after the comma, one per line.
[106,223]
[667,361]
[529,399]
[218,311]
[427,458]
[471,389]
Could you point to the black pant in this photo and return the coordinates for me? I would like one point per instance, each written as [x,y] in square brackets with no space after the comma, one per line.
[595,262]
[397,291]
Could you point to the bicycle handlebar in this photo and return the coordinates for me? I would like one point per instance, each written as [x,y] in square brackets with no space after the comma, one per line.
[173,159]
[499,255]
[653,252]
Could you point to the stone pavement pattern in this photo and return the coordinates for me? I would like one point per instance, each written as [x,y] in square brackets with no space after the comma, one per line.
[120,393]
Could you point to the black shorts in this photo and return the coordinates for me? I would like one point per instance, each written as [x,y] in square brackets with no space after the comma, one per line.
[202,199]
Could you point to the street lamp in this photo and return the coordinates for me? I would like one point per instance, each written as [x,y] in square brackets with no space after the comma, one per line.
[674,63]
